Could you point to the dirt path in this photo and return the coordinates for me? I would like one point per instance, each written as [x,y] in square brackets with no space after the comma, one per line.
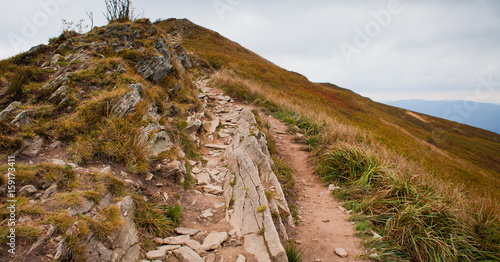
[324,225]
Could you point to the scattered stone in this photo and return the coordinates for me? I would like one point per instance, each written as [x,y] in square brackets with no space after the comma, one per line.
[214,240]
[55,144]
[206,214]
[107,170]
[214,146]
[376,236]
[373,255]
[332,187]
[58,162]
[195,170]
[27,190]
[210,257]
[149,176]
[340,252]
[186,254]
[170,247]
[241,258]
[32,146]
[326,221]
[342,209]
[203,179]
[7,111]
[317,260]
[83,207]
[186,231]
[49,191]
[157,254]
[215,190]
[195,245]
[178,240]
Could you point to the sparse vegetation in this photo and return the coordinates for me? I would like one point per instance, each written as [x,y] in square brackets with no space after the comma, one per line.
[156,219]
[396,174]
[293,253]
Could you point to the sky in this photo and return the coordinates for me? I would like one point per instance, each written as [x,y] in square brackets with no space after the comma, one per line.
[386,49]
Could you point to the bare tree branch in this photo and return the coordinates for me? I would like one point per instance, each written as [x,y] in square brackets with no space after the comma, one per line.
[118,10]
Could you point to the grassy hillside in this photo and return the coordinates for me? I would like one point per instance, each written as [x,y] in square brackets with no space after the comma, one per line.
[429,185]
[456,152]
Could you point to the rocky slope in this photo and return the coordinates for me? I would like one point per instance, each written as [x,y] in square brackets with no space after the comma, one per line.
[103,142]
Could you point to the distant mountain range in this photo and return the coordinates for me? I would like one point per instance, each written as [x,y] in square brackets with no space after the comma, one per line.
[481,115]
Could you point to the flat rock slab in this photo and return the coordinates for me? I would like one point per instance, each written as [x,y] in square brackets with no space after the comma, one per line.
[211,189]
[214,146]
[178,240]
[186,254]
[186,231]
[159,254]
[214,240]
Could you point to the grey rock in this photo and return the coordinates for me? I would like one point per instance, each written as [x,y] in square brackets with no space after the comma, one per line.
[214,240]
[7,111]
[58,82]
[122,245]
[54,144]
[340,252]
[49,191]
[107,170]
[211,189]
[186,254]
[193,244]
[59,94]
[27,190]
[215,146]
[182,56]
[155,139]
[203,179]
[155,68]
[157,254]
[127,104]
[22,119]
[186,231]
[83,207]
[170,247]
[58,162]
[177,240]
[54,59]
[31,147]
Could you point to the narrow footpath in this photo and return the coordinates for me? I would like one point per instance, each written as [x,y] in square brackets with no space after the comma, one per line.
[324,226]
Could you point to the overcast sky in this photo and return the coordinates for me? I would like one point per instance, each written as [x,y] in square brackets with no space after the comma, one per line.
[385,49]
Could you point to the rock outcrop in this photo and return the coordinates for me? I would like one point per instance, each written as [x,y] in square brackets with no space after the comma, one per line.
[127,104]
[123,245]
[251,212]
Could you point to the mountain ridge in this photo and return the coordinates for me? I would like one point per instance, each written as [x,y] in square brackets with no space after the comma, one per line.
[117,119]
[481,115]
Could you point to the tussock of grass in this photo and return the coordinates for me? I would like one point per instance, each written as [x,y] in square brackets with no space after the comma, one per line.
[158,220]
[416,222]
[293,253]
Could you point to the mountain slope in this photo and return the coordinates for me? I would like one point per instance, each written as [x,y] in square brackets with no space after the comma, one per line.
[455,152]
[475,114]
